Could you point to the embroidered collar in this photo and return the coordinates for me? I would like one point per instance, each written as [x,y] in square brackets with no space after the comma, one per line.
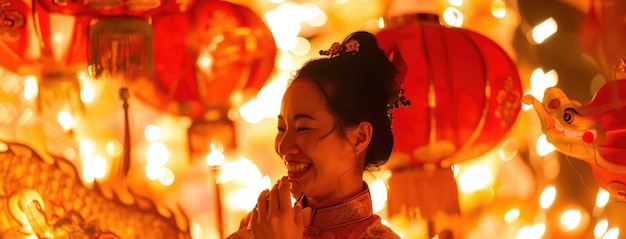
[354,209]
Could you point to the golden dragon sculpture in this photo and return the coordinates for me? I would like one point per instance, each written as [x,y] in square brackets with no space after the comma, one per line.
[48,200]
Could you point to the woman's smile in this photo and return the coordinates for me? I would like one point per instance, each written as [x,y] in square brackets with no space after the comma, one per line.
[297,169]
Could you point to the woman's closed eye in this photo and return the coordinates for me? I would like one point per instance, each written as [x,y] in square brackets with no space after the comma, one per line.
[300,129]
[303,129]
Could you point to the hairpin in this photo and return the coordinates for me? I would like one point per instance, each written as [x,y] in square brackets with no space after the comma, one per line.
[399,101]
[351,46]
[333,50]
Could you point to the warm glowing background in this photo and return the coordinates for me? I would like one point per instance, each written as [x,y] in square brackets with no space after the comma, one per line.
[521,189]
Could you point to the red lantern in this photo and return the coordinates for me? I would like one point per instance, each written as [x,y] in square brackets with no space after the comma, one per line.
[13,33]
[203,56]
[50,47]
[40,39]
[594,132]
[107,8]
[465,95]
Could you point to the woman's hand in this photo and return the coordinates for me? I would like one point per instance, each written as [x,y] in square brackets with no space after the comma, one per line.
[275,217]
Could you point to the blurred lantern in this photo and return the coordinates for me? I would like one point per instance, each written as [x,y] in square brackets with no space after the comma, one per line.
[594,132]
[603,35]
[49,47]
[214,132]
[59,93]
[108,8]
[465,93]
[14,33]
[204,55]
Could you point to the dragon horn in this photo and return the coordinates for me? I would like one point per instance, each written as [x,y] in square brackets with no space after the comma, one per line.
[539,108]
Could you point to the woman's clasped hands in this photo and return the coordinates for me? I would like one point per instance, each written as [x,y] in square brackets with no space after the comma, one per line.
[275,217]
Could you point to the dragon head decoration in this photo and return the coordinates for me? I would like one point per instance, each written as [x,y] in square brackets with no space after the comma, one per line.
[594,132]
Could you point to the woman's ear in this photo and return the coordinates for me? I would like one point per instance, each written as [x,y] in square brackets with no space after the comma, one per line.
[360,136]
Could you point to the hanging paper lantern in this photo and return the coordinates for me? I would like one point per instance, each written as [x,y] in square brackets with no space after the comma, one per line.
[49,48]
[465,95]
[594,132]
[37,40]
[214,132]
[108,8]
[204,55]
[13,33]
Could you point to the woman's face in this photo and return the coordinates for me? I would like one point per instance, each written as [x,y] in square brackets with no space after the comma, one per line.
[311,146]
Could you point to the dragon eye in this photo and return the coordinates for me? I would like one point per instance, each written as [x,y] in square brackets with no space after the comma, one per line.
[568,115]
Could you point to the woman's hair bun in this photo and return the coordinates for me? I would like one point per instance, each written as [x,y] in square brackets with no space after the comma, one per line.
[361,49]
[361,43]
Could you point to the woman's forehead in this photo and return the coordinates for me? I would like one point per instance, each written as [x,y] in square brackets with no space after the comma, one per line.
[302,97]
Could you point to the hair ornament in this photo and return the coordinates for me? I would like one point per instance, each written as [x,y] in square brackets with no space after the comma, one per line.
[352,46]
[397,102]
[400,101]
[333,50]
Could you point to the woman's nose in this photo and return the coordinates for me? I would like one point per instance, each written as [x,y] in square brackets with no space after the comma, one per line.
[286,144]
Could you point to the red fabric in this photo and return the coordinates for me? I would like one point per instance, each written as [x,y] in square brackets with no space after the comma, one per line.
[475,84]
[603,33]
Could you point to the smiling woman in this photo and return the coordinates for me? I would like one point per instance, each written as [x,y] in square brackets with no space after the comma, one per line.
[334,124]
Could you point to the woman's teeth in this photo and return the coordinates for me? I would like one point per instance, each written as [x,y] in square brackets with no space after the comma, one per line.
[297,167]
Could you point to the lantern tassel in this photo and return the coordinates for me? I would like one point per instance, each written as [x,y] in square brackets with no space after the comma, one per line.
[417,191]
[125,165]
[121,48]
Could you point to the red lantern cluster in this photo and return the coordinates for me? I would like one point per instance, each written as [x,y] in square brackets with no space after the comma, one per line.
[203,50]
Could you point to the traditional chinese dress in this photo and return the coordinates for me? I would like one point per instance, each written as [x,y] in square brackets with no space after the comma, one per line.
[350,219]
